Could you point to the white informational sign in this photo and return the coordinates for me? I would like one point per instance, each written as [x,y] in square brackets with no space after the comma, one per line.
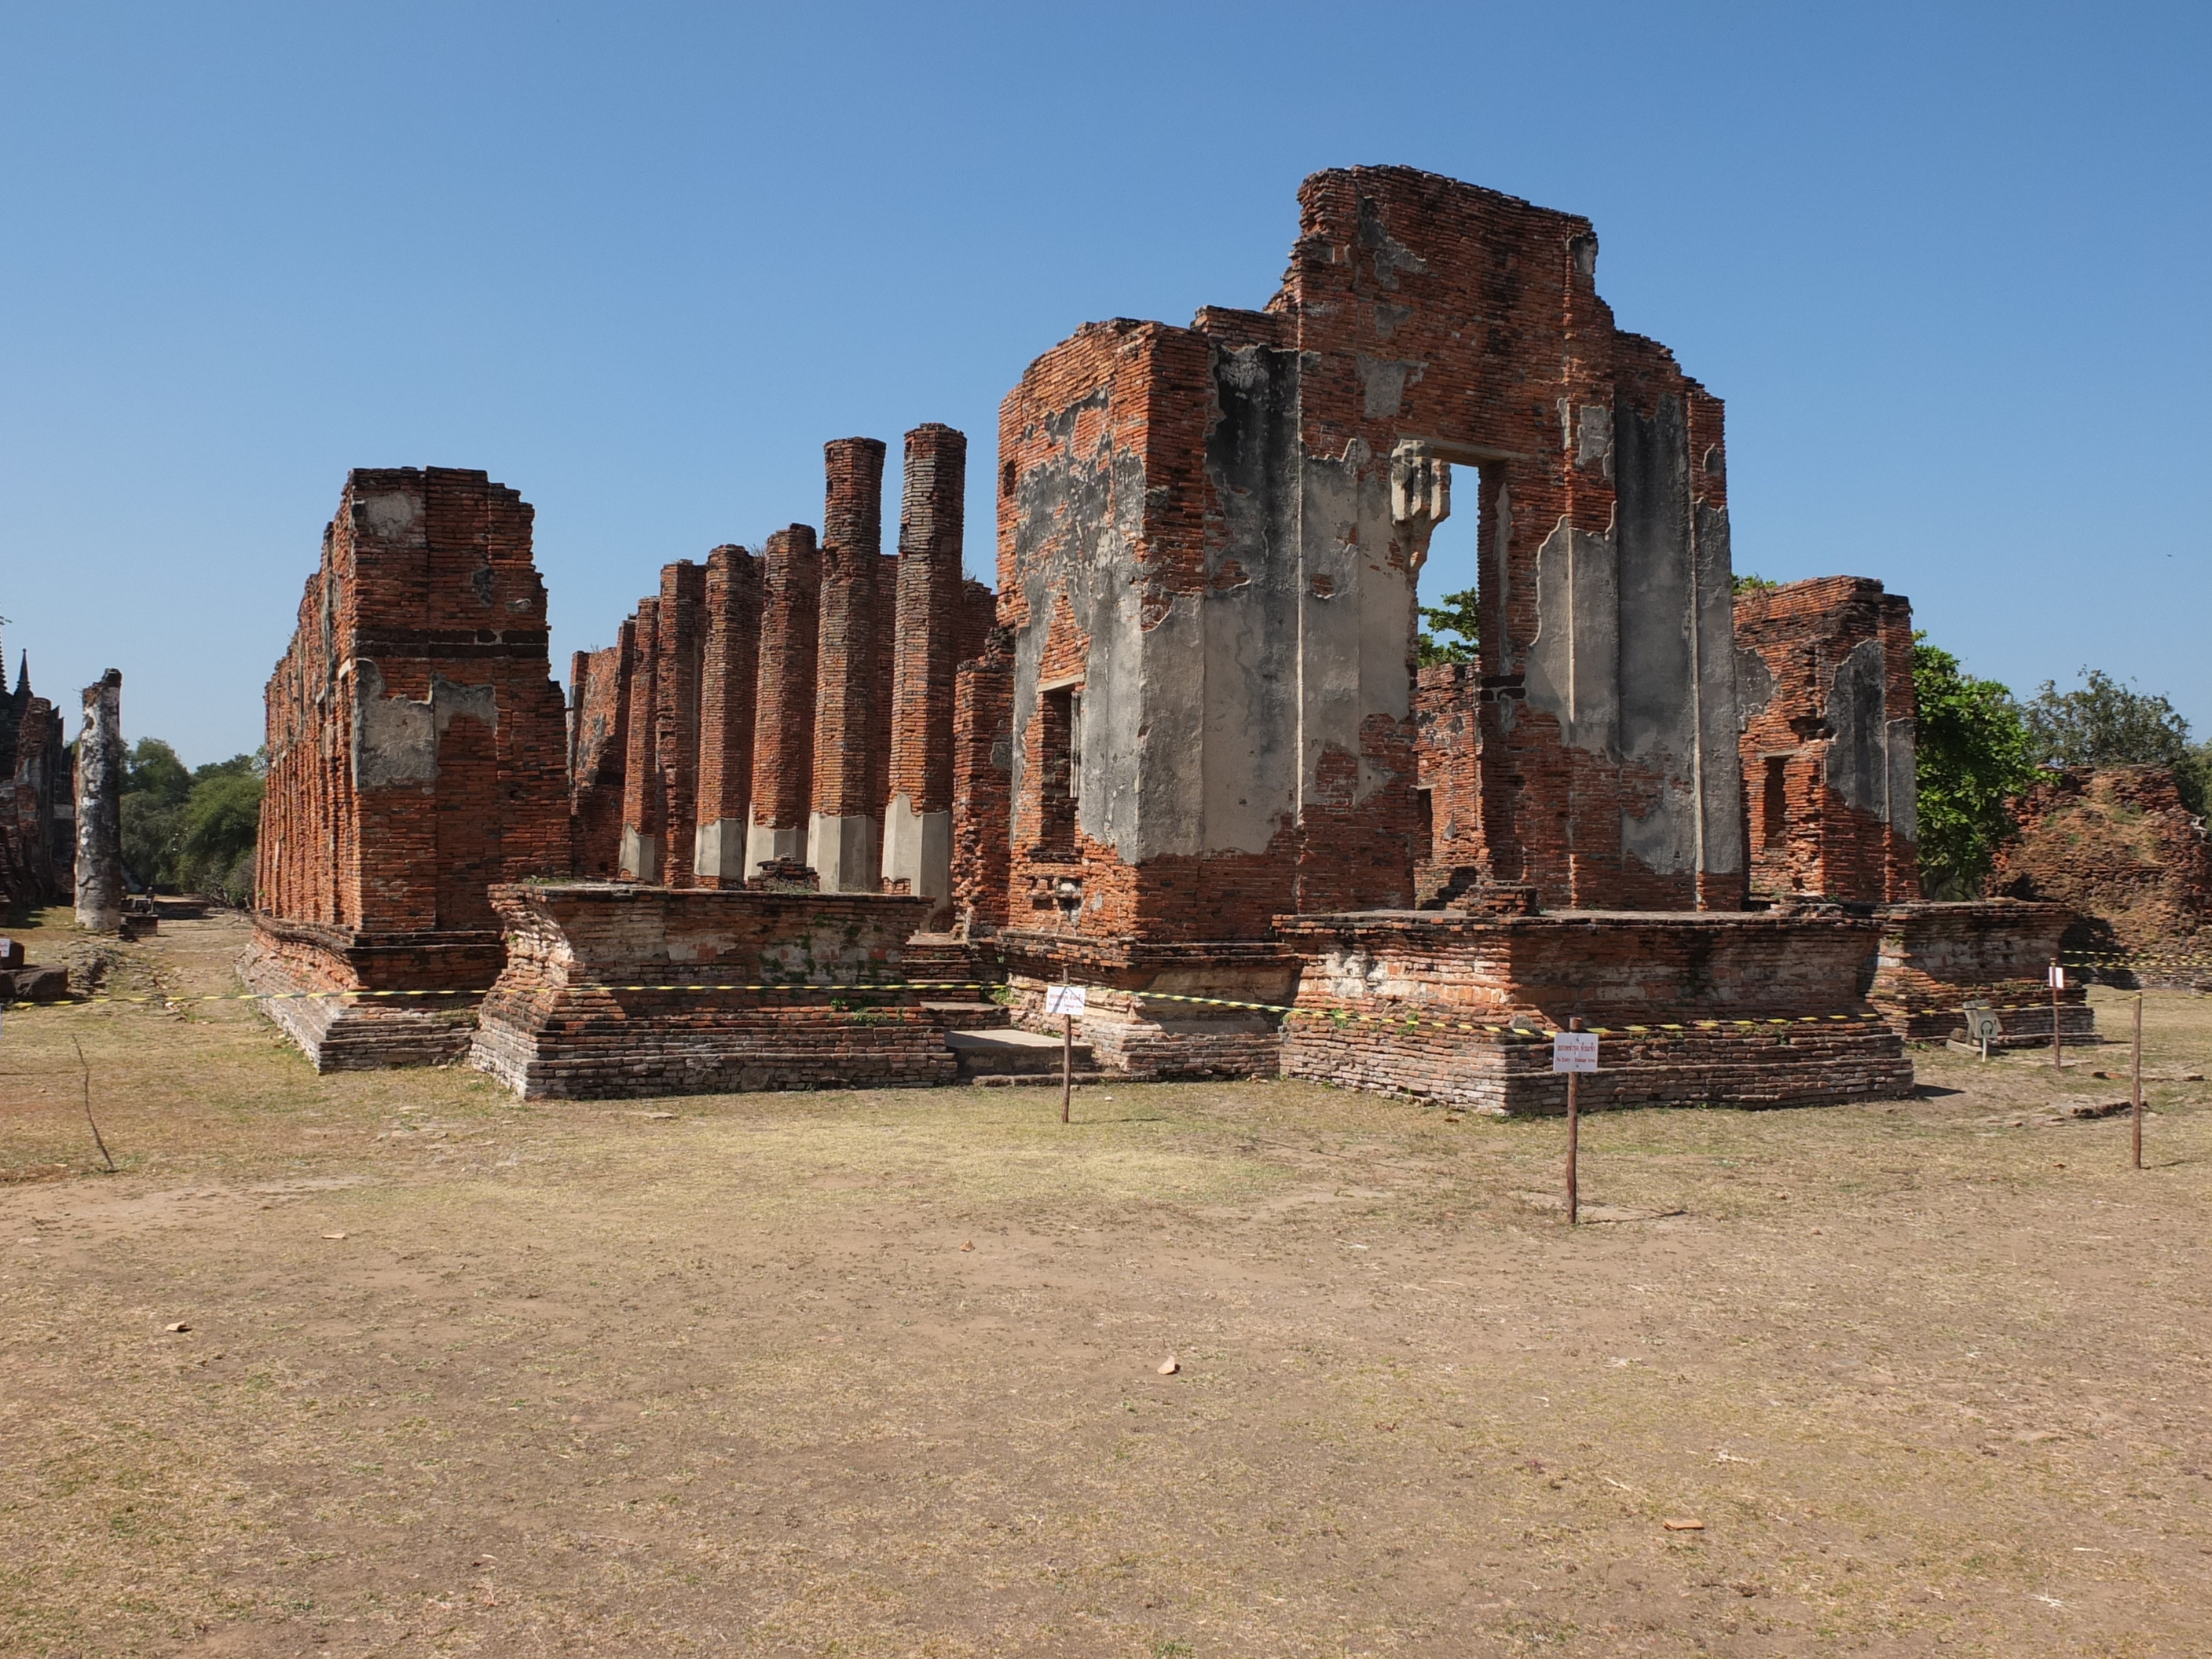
[2058,977]
[1064,1000]
[1574,1051]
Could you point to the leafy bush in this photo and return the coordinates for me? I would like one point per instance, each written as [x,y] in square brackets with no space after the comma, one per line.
[1974,756]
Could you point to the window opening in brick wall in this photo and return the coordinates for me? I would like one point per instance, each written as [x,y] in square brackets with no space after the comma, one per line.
[1060,714]
[1774,801]
[1425,825]
[1454,564]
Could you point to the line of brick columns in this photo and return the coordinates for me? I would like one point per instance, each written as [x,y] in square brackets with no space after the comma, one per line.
[918,815]
[798,705]
[783,720]
[852,708]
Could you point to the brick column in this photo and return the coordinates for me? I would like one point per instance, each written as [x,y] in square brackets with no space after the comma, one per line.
[728,691]
[783,713]
[640,817]
[683,643]
[918,815]
[844,833]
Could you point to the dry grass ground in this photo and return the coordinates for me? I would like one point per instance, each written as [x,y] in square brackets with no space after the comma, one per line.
[876,1373]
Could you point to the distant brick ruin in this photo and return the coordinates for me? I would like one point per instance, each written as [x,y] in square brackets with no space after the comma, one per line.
[1824,679]
[1182,756]
[2115,845]
[37,799]
[417,755]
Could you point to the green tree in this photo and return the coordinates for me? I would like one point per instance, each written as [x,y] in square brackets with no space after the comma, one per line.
[1456,616]
[2105,723]
[1974,756]
[221,821]
[154,769]
[1748,583]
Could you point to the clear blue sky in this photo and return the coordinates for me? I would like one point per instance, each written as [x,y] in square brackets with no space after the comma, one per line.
[1948,264]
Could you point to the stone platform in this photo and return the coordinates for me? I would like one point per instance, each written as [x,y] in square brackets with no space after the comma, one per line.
[308,977]
[1735,1008]
[774,992]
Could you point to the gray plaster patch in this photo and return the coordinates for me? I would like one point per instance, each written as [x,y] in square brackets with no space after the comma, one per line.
[1391,256]
[1857,765]
[1593,441]
[1754,686]
[1387,317]
[395,739]
[1905,779]
[391,514]
[1573,664]
[1383,383]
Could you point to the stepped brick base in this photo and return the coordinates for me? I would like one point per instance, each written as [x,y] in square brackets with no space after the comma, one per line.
[1754,999]
[290,961]
[1146,1014]
[566,1020]
[1937,957]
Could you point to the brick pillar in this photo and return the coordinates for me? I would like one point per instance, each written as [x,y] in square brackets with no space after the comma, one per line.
[101,757]
[982,786]
[682,641]
[641,815]
[729,683]
[918,815]
[844,833]
[783,713]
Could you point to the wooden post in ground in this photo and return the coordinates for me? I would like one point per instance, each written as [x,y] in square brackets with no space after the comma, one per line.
[1067,1062]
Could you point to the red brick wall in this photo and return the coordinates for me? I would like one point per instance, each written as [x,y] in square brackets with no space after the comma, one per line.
[1447,727]
[2114,843]
[598,747]
[983,785]
[418,743]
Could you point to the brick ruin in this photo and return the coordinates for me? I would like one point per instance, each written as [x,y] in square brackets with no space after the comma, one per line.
[1824,684]
[2115,845]
[37,799]
[418,755]
[1182,756]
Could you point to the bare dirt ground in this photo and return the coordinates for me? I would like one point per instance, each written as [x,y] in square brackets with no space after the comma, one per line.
[878,1373]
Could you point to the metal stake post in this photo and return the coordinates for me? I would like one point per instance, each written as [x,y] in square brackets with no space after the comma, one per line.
[2058,1042]
[1574,1139]
[2136,1093]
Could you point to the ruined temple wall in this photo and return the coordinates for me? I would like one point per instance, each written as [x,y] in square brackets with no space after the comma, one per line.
[1827,743]
[982,786]
[1213,533]
[418,743]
